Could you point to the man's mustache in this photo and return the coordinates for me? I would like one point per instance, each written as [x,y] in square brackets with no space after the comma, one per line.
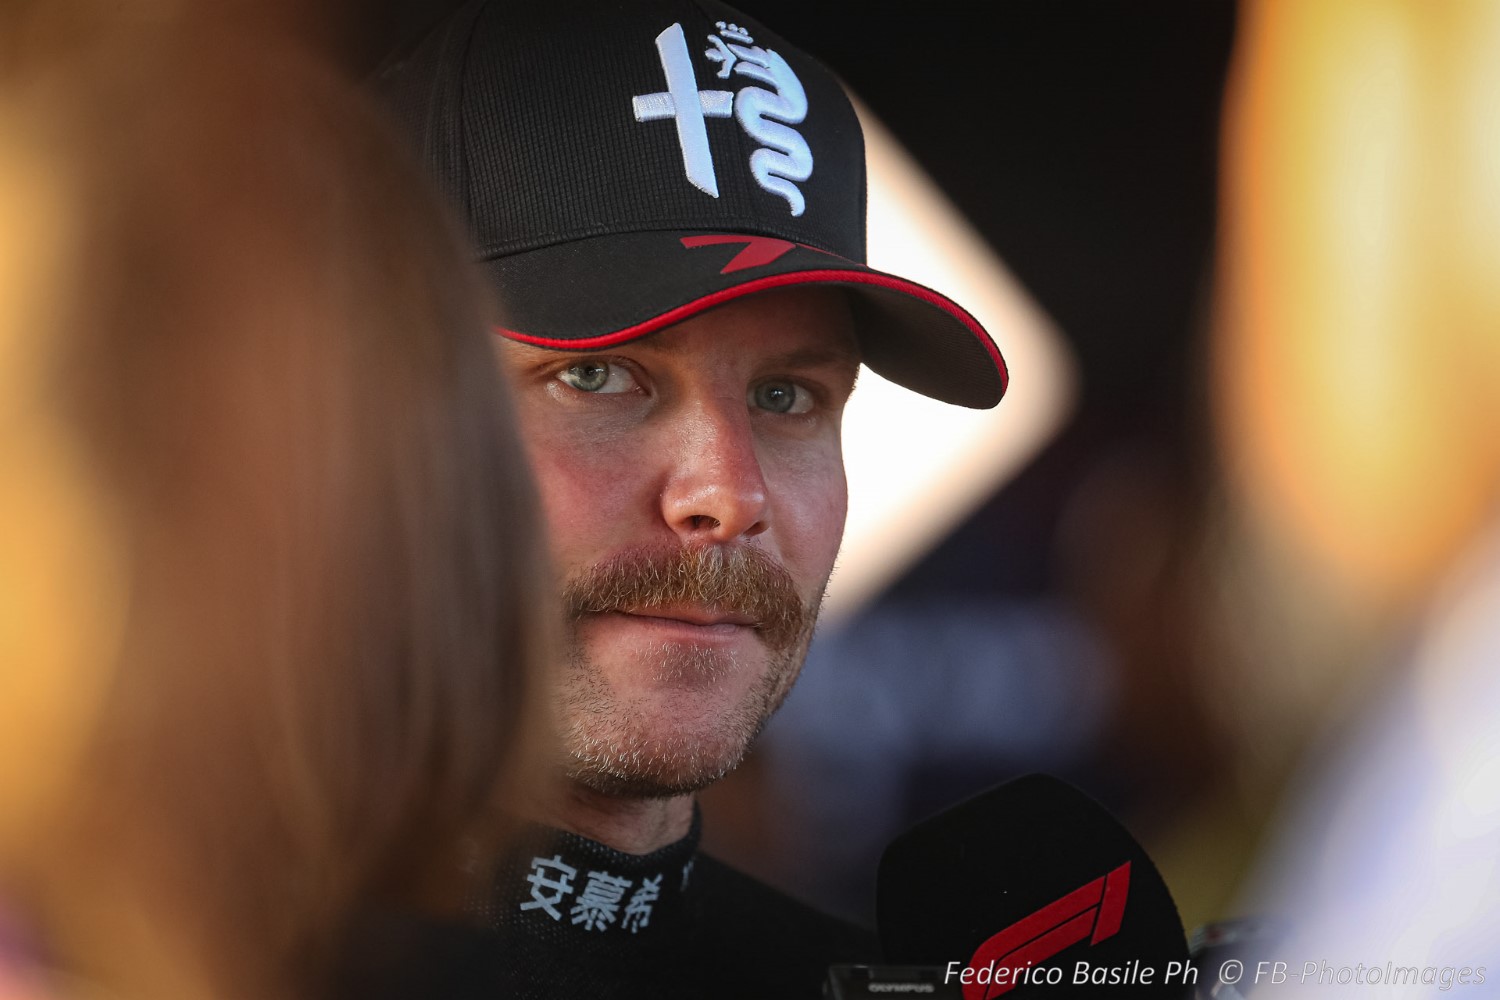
[740,580]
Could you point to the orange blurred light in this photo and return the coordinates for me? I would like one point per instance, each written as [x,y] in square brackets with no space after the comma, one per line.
[1357,326]
[61,589]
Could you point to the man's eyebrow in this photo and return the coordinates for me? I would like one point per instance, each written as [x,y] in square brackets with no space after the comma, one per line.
[815,357]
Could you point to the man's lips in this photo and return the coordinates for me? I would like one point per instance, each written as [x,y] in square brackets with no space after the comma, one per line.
[694,616]
[704,618]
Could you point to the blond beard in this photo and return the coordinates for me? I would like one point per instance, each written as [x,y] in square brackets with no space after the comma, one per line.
[607,740]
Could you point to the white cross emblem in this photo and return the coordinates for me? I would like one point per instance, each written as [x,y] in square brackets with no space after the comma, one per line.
[766,113]
[688,105]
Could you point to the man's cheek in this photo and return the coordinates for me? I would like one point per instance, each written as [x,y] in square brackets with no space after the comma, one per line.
[811,515]
[586,502]
[570,457]
[814,493]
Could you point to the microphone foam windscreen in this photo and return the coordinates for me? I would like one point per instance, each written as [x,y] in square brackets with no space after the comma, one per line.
[1031,873]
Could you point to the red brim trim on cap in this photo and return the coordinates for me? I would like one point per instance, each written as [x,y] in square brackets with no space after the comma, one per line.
[690,309]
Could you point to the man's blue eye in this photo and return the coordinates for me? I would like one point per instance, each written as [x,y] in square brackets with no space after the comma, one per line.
[597,376]
[781,397]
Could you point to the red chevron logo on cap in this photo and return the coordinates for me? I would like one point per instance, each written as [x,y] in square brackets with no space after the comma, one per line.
[758,251]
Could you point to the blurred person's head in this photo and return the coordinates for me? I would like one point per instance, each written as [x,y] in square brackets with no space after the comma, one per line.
[1356,364]
[1358,361]
[685,308]
[1358,357]
[349,33]
[263,506]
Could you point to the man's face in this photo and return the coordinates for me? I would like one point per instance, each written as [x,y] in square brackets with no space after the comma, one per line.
[693,484]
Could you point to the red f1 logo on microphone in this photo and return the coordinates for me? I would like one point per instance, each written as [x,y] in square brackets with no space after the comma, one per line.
[1093,911]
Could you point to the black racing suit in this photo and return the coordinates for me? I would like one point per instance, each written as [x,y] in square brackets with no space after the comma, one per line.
[572,919]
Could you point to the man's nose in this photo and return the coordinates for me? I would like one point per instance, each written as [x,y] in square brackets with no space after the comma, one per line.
[716,490]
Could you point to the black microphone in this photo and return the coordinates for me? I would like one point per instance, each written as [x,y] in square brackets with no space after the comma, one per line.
[1032,889]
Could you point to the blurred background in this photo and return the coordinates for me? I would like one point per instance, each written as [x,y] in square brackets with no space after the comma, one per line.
[1264,237]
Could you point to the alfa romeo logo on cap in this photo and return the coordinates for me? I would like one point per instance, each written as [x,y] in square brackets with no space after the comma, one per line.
[766,113]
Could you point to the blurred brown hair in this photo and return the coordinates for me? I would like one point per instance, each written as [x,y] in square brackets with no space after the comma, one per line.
[276,362]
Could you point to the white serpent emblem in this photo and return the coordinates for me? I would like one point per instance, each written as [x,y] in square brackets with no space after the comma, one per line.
[766,113]
[784,160]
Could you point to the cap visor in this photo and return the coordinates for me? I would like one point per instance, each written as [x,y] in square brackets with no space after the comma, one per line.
[595,293]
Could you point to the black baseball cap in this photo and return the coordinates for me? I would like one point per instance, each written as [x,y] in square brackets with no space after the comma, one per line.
[624,166]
